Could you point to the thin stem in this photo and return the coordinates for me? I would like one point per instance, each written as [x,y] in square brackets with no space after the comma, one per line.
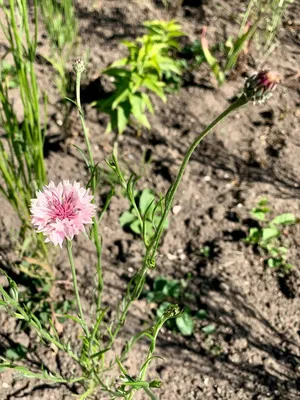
[78,301]
[152,248]
[97,241]
[173,188]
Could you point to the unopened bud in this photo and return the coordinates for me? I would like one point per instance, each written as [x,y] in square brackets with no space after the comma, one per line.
[155,384]
[78,65]
[259,87]
[172,311]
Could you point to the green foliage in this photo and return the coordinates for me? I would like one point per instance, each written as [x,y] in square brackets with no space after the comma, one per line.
[206,251]
[269,235]
[167,291]
[9,74]
[267,15]
[62,28]
[232,49]
[22,165]
[150,212]
[140,73]
[194,52]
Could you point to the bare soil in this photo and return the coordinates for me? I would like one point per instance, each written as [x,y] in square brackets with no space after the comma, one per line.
[254,353]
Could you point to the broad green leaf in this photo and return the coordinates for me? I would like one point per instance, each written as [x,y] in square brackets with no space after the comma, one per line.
[172,289]
[270,233]
[155,297]
[185,324]
[259,214]
[146,198]
[209,329]
[284,219]
[135,226]
[159,283]
[149,231]
[274,262]
[254,236]
[16,353]
[126,218]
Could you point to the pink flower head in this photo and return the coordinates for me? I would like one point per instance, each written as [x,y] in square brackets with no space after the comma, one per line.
[260,86]
[60,212]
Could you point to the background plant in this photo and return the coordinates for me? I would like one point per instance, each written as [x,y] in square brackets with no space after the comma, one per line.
[268,15]
[61,25]
[165,292]
[261,22]
[148,209]
[230,51]
[140,73]
[22,163]
[270,235]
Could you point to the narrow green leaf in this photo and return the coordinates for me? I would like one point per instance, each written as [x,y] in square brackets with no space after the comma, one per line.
[122,119]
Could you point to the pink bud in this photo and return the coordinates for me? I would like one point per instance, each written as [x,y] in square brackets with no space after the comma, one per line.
[259,87]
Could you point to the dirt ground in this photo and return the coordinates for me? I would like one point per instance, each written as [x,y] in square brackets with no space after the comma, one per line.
[255,352]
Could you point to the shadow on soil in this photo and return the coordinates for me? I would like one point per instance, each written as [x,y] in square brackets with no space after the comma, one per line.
[272,366]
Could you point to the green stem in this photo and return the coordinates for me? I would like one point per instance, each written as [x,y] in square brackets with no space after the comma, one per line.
[97,241]
[138,281]
[152,248]
[173,188]
[78,301]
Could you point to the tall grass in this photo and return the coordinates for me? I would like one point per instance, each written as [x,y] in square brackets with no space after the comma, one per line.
[22,165]
[62,28]
[267,14]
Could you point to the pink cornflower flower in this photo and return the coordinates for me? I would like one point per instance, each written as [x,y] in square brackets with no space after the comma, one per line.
[60,212]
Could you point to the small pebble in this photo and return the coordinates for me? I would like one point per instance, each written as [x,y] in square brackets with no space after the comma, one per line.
[176,210]
[171,257]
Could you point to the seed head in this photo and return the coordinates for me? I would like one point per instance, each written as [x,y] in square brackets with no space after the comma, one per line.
[78,65]
[259,87]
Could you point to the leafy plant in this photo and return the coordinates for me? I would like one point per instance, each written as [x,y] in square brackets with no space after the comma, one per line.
[64,210]
[148,209]
[167,291]
[269,235]
[194,52]
[232,48]
[140,73]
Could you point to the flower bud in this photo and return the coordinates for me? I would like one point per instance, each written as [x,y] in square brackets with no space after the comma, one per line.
[172,311]
[155,384]
[78,65]
[259,86]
